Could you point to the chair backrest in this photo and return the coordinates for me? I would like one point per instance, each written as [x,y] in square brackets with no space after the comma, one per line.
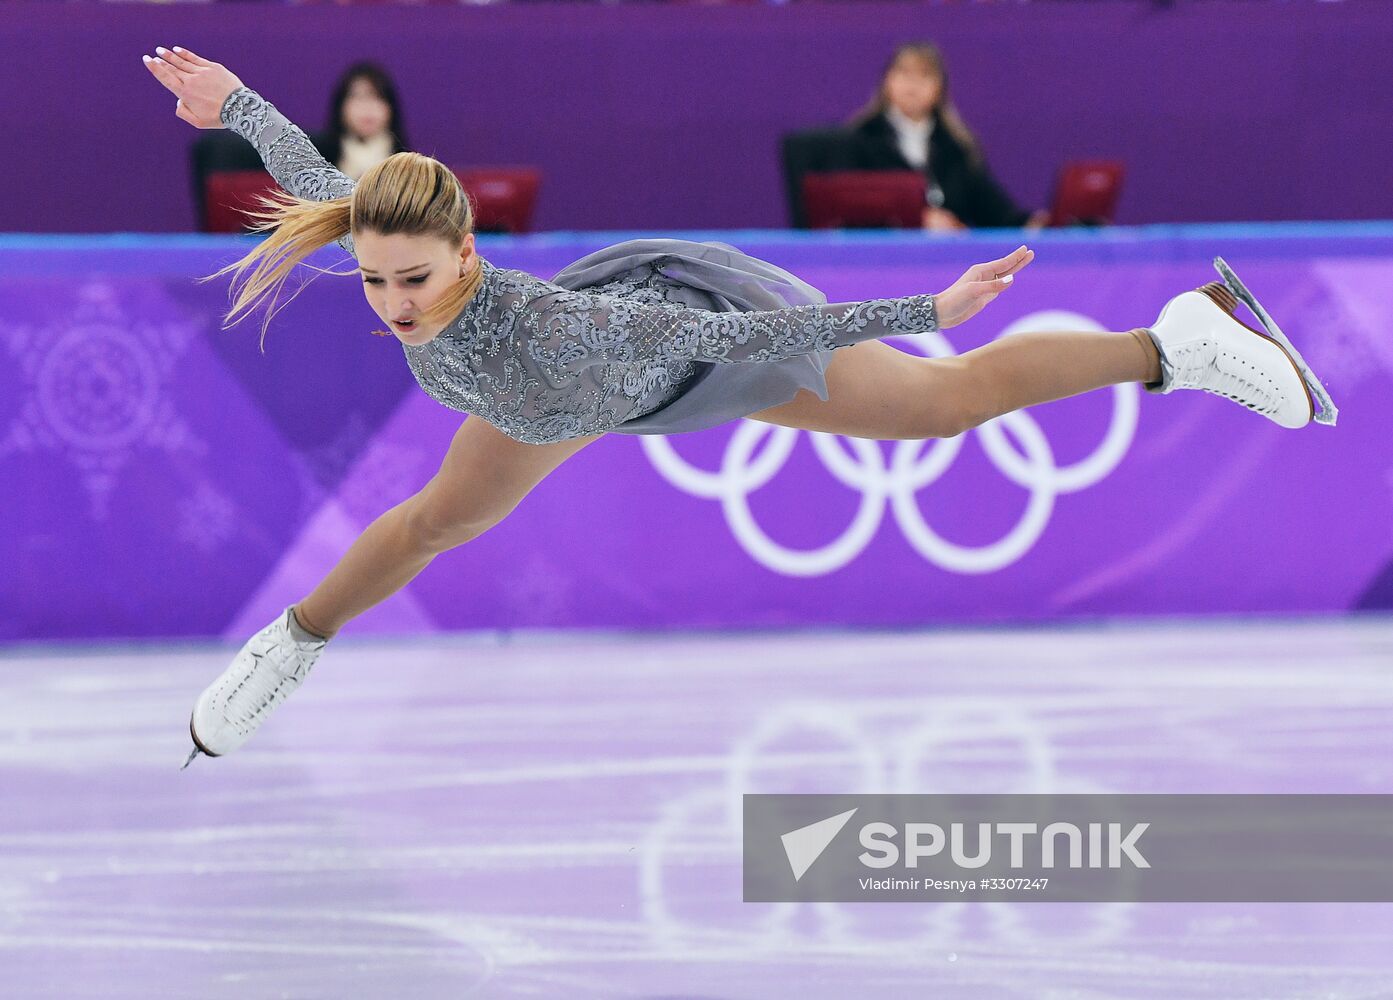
[227,193]
[218,151]
[845,199]
[504,197]
[1086,191]
[813,150]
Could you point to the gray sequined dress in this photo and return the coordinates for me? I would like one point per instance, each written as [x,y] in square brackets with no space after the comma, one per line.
[650,336]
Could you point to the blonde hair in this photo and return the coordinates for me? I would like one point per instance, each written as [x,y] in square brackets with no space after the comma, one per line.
[945,111]
[406,193]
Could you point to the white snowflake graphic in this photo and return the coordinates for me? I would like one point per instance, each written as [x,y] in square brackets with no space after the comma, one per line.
[94,389]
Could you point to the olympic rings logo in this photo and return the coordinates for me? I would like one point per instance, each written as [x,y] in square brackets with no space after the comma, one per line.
[912,466]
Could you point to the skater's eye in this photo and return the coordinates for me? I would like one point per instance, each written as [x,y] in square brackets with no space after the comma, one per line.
[421,279]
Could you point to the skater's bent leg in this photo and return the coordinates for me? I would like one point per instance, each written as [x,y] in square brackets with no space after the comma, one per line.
[485,475]
[382,560]
[877,391]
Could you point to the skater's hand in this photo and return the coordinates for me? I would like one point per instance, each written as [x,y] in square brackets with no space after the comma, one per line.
[979,285]
[200,85]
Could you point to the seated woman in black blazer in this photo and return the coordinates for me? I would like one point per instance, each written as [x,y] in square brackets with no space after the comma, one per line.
[911,124]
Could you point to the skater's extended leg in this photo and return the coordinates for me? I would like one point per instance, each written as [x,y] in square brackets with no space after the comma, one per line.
[877,391]
[1197,342]
[483,477]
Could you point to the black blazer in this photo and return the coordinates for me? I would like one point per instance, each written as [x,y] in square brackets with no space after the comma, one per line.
[969,192]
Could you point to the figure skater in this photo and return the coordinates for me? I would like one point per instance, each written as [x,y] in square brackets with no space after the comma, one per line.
[651,336]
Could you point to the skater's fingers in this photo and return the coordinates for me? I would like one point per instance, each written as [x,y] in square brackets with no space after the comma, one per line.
[1001,263]
[194,58]
[1025,259]
[163,55]
[165,75]
[1009,264]
[179,61]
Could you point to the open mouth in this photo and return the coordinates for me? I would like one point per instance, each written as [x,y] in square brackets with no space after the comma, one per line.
[404,324]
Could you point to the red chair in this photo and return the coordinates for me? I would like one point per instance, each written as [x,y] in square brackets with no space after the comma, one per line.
[1086,192]
[227,194]
[843,199]
[503,197]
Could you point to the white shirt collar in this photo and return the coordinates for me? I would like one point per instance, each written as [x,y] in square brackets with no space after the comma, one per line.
[903,123]
[357,156]
[913,136]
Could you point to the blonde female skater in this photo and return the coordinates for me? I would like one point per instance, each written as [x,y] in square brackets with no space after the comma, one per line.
[648,337]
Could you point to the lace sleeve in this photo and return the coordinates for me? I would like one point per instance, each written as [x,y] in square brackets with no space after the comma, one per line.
[289,155]
[602,329]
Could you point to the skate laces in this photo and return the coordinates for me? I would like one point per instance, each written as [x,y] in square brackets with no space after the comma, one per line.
[278,667]
[1196,366]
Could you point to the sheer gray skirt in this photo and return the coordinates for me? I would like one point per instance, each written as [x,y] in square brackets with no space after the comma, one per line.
[717,277]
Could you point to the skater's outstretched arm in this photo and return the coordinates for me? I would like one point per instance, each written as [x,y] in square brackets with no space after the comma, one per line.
[606,329]
[286,150]
[211,96]
[484,475]
[600,329]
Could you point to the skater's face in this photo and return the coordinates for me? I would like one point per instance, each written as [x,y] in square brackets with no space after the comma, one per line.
[912,86]
[365,113]
[403,276]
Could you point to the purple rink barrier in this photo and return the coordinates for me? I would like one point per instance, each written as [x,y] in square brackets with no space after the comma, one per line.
[162,478]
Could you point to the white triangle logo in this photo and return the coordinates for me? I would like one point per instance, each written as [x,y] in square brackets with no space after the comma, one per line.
[806,844]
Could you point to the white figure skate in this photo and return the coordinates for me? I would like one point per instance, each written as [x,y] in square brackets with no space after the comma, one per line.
[263,674]
[1203,345]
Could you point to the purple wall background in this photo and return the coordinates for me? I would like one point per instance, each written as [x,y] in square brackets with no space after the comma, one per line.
[162,478]
[667,116]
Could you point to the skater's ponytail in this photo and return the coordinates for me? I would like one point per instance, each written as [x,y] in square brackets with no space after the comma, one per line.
[406,193]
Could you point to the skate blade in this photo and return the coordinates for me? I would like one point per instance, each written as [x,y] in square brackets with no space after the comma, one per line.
[1328,411]
[197,746]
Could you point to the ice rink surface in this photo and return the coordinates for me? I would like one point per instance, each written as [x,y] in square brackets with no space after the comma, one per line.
[558,815]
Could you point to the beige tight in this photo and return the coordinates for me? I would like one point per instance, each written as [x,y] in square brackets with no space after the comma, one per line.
[874,391]
[383,559]
[878,391]
[484,475]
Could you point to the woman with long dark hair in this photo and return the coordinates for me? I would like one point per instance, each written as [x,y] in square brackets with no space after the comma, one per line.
[911,123]
[647,337]
[365,121]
